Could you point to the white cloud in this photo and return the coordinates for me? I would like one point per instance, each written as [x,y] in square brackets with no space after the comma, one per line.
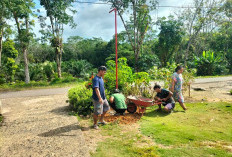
[95,20]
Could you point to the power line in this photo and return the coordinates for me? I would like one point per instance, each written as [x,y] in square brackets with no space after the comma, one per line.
[93,3]
[158,6]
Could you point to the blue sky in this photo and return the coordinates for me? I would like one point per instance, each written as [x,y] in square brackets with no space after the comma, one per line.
[95,21]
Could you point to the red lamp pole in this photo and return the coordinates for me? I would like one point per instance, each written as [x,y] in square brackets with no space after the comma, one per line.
[116,46]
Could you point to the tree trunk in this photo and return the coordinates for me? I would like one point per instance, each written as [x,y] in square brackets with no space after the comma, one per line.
[1,36]
[136,61]
[58,61]
[27,77]
[135,44]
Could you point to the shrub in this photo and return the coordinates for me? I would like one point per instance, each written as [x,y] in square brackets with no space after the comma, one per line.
[164,74]
[8,69]
[2,78]
[66,78]
[210,64]
[38,71]
[147,61]
[125,75]
[80,100]
[140,85]
[49,69]
[128,83]
[79,68]
[231,91]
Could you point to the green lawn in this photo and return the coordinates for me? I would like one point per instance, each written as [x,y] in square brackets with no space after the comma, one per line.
[204,130]
[35,85]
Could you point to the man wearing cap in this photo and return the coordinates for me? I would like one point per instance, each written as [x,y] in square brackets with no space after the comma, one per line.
[117,102]
[101,105]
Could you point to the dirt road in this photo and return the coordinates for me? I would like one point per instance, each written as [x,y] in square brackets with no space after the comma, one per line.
[40,126]
[214,89]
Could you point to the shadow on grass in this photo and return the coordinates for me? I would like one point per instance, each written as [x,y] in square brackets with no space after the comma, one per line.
[60,131]
[162,113]
[156,113]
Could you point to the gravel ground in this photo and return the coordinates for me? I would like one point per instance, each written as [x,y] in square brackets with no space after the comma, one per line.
[40,126]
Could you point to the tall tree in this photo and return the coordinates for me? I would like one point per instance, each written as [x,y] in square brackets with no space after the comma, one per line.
[170,38]
[200,18]
[4,14]
[57,12]
[139,21]
[22,13]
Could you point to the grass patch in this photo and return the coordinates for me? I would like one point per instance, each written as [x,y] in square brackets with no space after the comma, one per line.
[185,133]
[36,85]
[123,143]
[204,130]
[192,152]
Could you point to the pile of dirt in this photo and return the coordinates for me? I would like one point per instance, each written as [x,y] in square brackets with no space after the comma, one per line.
[128,118]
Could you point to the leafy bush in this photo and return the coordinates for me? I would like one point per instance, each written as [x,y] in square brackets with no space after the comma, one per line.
[2,78]
[231,91]
[147,61]
[125,75]
[128,83]
[210,64]
[164,74]
[79,68]
[8,69]
[49,69]
[140,85]
[66,78]
[38,71]
[80,100]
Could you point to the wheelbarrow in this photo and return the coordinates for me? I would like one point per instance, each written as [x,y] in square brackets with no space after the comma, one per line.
[141,103]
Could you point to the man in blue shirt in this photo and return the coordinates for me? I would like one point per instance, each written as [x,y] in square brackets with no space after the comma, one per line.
[101,105]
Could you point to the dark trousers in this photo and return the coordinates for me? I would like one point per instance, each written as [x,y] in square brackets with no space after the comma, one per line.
[117,110]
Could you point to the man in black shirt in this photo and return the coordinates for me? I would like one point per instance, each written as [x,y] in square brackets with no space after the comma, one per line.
[166,97]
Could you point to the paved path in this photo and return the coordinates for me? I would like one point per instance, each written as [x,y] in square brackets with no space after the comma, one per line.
[211,80]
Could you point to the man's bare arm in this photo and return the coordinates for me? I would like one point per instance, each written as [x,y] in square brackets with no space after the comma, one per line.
[99,95]
[169,96]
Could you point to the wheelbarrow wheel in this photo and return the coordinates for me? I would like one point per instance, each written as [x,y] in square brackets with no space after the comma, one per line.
[131,108]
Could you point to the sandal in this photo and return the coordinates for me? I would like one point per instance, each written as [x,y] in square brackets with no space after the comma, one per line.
[95,126]
[103,123]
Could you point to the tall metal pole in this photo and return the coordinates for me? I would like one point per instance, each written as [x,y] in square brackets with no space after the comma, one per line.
[116,46]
